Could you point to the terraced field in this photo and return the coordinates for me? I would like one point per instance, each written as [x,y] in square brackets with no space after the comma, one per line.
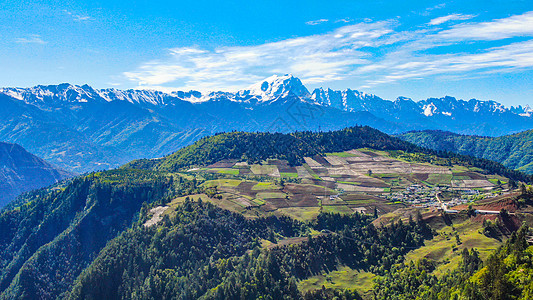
[360,180]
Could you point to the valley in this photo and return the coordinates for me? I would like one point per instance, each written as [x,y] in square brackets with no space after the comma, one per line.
[514,150]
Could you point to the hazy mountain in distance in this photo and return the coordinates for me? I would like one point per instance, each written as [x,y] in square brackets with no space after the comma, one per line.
[21,171]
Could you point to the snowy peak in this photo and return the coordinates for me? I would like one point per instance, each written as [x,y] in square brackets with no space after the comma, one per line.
[275,87]
[450,105]
[347,100]
[525,111]
[61,94]
[272,90]
[49,94]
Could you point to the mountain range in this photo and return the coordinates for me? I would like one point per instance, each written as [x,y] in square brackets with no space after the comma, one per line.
[82,129]
[21,171]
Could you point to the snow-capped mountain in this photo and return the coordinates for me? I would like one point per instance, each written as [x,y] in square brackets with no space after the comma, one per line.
[525,111]
[271,89]
[347,100]
[276,87]
[80,128]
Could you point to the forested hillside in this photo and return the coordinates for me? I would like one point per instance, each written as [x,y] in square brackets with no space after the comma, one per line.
[513,151]
[293,147]
[48,241]
[204,252]
[505,275]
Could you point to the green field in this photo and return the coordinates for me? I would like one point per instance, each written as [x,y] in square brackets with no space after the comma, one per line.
[440,178]
[311,172]
[289,175]
[495,181]
[300,213]
[349,182]
[264,186]
[343,278]
[258,201]
[263,169]
[222,182]
[340,209]
[227,171]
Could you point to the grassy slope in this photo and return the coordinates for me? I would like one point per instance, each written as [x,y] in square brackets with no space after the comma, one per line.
[446,252]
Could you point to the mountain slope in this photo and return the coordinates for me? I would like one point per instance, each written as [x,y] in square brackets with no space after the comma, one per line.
[21,171]
[49,240]
[513,151]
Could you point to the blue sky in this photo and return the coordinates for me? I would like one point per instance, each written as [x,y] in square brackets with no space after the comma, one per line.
[417,49]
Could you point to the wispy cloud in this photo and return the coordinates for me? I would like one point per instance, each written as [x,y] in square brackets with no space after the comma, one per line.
[316,22]
[452,17]
[392,69]
[78,17]
[30,39]
[518,25]
[370,53]
[316,58]
[344,20]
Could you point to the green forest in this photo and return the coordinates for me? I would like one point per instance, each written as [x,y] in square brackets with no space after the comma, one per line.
[514,151]
[205,252]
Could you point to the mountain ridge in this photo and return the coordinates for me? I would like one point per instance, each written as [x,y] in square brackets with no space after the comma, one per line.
[267,90]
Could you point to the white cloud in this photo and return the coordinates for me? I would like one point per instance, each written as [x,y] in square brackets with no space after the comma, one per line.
[30,39]
[514,26]
[452,17]
[316,58]
[367,53]
[345,20]
[316,22]
[395,68]
[78,17]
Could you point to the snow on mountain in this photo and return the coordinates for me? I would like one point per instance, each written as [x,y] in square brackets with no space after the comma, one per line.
[347,100]
[275,87]
[52,93]
[68,93]
[429,109]
[525,111]
[267,91]
[134,96]
[528,111]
